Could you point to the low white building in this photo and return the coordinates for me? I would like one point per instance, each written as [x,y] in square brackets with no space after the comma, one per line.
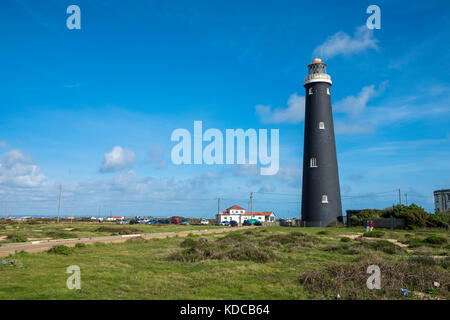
[442,200]
[238,214]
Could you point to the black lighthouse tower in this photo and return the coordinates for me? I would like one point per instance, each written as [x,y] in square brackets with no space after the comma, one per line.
[321,196]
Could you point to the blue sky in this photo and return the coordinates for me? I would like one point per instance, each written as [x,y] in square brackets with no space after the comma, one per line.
[94,109]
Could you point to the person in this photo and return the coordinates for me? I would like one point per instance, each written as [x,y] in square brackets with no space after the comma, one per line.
[370,225]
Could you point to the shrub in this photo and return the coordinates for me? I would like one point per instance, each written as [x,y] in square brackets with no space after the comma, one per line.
[435,240]
[14,237]
[119,230]
[349,280]
[383,245]
[414,215]
[373,234]
[59,235]
[415,242]
[345,239]
[188,243]
[323,232]
[439,220]
[61,249]
[227,248]
[80,245]
[251,253]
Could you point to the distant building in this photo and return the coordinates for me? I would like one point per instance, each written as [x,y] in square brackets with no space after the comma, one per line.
[442,200]
[238,214]
[115,218]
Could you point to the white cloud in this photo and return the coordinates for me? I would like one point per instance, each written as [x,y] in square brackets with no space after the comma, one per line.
[117,159]
[342,43]
[18,171]
[294,113]
[355,105]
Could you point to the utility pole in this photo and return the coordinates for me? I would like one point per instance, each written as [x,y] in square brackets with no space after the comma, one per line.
[251,203]
[406,198]
[399,196]
[218,205]
[59,202]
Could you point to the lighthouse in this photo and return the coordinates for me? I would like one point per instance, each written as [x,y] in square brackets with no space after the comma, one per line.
[321,196]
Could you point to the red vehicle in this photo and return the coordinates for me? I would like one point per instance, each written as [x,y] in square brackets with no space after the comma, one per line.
[175,220]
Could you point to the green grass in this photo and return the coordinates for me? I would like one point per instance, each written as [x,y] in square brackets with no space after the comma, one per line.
[261,263]
[13,231]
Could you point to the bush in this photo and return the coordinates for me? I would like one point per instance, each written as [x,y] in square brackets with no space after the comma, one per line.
[373,234]
[80,245]
[188,243]
[349,280]
[439,220]
[345,239]
[119,230]
[414,215]
[61,250]
[14,237]
[59,235]
[435,240]
[226,248]
[415,242]
[251,253]
[383,245]
[323,232]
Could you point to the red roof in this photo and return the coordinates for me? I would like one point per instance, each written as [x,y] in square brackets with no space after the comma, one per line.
[235,207]
[263,213]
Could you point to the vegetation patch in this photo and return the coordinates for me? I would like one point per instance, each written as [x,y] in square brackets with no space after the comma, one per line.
[349,281]
[121,231]
[59,235]
[435,240]
[383,245]
[431,241]
[61,250]
[14,237]
[225,248]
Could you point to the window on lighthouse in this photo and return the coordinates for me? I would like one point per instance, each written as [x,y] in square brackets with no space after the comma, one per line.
[310,91]
[328,91]
[322,125]
[313,162]
[324,198]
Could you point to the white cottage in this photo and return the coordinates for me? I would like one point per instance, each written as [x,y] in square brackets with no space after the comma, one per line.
[239,215]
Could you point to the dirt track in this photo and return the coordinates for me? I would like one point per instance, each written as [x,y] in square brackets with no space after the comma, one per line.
[40,246]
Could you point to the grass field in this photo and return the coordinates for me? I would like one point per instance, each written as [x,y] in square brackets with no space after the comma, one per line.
[34,230]
[261,263]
